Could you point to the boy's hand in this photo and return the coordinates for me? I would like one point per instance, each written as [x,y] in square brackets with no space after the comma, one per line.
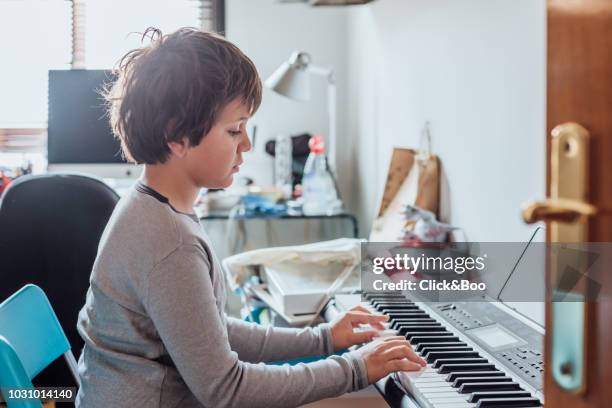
[343,335]
[385,356]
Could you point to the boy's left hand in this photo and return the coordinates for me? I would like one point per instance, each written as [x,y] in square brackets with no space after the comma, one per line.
[342,327]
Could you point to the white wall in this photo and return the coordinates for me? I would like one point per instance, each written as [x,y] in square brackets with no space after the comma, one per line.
[476,70]
[268,32]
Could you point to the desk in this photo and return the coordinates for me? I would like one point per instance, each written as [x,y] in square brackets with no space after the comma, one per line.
[267,217]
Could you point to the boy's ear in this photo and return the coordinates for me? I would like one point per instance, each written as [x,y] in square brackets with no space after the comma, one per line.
[179,148]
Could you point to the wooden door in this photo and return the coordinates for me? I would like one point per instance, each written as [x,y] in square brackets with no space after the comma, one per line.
[579,89]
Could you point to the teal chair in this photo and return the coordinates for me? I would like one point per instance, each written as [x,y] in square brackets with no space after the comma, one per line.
[30,339]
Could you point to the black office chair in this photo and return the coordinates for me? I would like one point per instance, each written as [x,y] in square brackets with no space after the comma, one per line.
[50,226]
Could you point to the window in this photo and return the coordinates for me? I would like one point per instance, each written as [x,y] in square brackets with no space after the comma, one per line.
[34,38]
[39,35]
[113,27]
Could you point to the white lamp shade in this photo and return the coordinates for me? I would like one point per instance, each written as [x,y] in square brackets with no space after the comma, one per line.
[291,81]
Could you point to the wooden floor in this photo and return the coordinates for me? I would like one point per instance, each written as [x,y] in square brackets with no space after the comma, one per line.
[368,398]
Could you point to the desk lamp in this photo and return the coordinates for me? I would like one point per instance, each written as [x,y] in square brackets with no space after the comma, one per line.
[292,79]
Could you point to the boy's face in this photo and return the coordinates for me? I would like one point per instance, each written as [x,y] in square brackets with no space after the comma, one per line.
[214,161]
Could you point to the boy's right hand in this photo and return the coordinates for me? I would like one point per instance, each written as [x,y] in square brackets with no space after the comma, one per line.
[385,356]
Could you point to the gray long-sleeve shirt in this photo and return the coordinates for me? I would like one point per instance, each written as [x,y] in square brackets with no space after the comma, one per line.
[156,334]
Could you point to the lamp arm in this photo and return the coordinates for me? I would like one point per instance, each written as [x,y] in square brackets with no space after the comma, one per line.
[321,71]
[332,113]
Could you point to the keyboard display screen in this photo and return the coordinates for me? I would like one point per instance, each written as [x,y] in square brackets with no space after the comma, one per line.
[495,337]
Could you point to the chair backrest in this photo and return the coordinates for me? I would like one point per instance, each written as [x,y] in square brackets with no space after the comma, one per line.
[13,376]
[50,227]
[29,324]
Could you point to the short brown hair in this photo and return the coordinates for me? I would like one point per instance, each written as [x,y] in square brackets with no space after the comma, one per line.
[174,88]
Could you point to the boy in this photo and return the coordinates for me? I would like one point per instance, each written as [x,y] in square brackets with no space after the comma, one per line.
[153,323]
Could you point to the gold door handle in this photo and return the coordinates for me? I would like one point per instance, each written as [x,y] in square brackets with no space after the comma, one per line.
[559,210]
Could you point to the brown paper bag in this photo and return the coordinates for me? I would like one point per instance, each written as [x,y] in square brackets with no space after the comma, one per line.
[411,179]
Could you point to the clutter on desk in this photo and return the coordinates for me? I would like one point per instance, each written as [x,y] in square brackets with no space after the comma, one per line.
[241,202]
[412,179]
[319,191]
[8,174]
[299,154]
[316,270]
[421,226]
[283,178]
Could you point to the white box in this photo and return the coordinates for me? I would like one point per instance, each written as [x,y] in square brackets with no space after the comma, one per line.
[299,288]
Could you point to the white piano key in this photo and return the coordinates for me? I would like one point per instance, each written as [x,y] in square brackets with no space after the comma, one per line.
[455,400]
[435,387]
[446,394]
[453,405]
[428,380]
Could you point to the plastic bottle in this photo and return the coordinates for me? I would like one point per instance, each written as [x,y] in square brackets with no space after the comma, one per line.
[319,193]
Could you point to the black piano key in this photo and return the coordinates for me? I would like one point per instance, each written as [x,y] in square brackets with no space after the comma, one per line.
[408,315]
[450,368]
[509,403]
[429,349]
[416,340]
[392,302]
[462,380]
[415,323]
[434,355]
[370,296]
[469,388]
[385,309]
[416,330]
[413,334]
[422,346]
[412,318]
[453,376]
[477,396]
[397,323]
[442,361]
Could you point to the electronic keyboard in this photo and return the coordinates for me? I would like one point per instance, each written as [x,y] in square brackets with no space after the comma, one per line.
[479,354]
